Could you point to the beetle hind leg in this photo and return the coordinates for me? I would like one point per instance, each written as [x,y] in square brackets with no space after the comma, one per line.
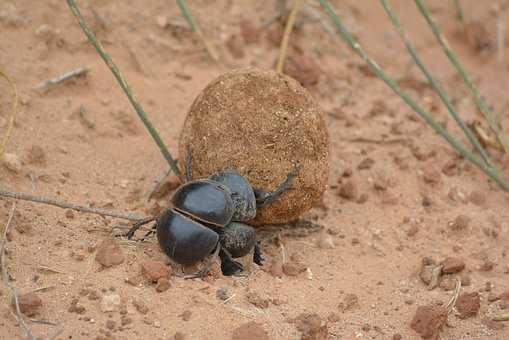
[138,225]
[264,197]
[257,255]
[229,267]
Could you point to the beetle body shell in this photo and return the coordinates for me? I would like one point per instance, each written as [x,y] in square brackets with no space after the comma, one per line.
[237,238]
[205,200]
[242,194]
[184,240]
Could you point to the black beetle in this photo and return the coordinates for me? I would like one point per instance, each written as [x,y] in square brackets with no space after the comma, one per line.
[207,216]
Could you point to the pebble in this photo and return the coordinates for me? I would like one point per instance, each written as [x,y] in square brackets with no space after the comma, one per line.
[163,284]
[311,326]
[109,253]
[29,303]
[154,270]
[140,306]
[429,320]
[468,305]
[250,331]
[11,162]
[348,190]
[110,303]
[258,301]
[350,302]
[460,223]
[293,268]
[452,265]
[325,242]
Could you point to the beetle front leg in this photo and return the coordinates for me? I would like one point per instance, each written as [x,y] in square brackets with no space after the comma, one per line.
[264,197]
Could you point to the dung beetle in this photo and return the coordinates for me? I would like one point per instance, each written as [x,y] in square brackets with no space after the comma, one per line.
[207,218]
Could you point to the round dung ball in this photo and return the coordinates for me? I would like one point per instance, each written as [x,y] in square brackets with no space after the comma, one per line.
[262,124]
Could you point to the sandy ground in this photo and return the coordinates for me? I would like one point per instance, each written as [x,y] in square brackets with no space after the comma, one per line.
[395,192]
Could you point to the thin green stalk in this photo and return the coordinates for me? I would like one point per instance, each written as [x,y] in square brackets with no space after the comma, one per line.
[125,87]
[457,145]
[459,10]
[195,28]
[434,83]
[479,101]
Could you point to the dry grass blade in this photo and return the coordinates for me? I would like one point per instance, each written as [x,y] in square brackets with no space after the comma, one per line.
[424,114]
[125,87]
[286,36]
[14,109]
[454,298]
[195,28]
[434,83]
[6,279]
[478,99]
[66,205]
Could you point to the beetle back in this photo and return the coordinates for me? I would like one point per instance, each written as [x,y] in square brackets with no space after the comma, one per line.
[205,200]
[183,239]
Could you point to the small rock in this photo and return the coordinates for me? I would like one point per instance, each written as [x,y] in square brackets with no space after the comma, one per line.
[487,266]
[163,284]
[452,265]
[460,223]
[477,197]
[186,315]
[110,324]
[109,253]
[29,303]
[366,164]
[69,214]
[468,305]
[493,325]
[257,300]
[110,303]
[134,280]
[293,268]
[250,331]
[140,306]
[325,242]
[223,293]
[350,302]
[154,270]
[76,307]
[448,282]
[348,190]
[311,326]
[429,320]
[179,336]
[426,273]
[36,155]
[11,162]
[250,33]
[333,317]
[397,336]
[125,320]
[235,46]
[431,176]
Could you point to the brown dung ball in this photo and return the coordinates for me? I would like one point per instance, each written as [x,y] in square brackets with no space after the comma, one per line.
[262,124]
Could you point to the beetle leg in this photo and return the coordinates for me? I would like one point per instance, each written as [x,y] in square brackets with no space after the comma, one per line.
[137,225]
[264,197]
[187,165]
[257,255]
[229,267]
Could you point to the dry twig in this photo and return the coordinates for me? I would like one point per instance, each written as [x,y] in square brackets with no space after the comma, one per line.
[78,72]
[66,205]
[14,109]
[454,298]
[286,36]
[6,279]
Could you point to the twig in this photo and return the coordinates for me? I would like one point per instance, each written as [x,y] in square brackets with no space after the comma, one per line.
[286,36]
[454,298]
[45,288]
[44,322]
[78,72]
[404,141]
[501,317]
[6,279]
[434,83]
[195,28]
[14,109]
[49,269]
[66,205]
[457,145]
[478,99]
[125,87]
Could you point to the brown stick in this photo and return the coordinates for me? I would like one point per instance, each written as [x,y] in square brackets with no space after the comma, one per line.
[6,280]
[66,205]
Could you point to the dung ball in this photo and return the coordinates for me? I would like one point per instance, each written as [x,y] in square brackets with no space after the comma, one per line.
[262,124]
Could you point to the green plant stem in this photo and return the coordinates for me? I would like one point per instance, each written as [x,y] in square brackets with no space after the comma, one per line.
[434,83]
[195,28]
[125,87]
[457,145]
[478,99]
[459,11]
